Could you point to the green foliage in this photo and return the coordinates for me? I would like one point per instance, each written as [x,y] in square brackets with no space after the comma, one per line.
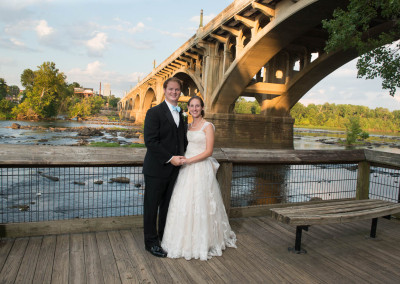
[104,144]
[5,109]
[3,88]
[27,79]
[113,101]
[247,107]
[337,116]
[351,28]
[82,107]
[13,91]
[45,95]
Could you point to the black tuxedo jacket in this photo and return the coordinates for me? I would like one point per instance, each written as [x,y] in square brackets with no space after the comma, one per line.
[163,140]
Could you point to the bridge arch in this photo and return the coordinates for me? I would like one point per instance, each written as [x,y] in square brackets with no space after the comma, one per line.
[149,100]
[264,45]
[191,83]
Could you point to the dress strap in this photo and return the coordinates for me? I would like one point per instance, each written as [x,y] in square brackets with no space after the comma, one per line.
[206,124]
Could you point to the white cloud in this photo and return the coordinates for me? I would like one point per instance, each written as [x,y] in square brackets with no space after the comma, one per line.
[97,44]
[175,34]
[138,28]
[206,19]
[43,29]
[17,42]
[94,73]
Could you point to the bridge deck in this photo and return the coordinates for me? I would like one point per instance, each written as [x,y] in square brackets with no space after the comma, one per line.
[336,254]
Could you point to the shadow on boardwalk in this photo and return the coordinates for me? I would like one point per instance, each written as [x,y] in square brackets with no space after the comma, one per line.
[337,253]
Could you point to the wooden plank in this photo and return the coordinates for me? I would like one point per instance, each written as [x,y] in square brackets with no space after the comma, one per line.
[77,269]
[335,204]
[329,210]
[154,264]
[107,259]
[262,249]
[344,217]
[61,260]
[14,230]
[313,264]
[44,266]
[127,266]
[5,248]
[92,259]
[137,259]
[11,266]
[27,269]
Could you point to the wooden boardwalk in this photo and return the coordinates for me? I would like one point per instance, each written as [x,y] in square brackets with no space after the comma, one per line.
[338,253]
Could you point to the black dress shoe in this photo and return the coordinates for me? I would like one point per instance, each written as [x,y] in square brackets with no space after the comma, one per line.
[156,250]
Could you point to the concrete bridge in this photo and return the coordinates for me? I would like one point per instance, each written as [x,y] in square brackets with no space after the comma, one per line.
[272,50]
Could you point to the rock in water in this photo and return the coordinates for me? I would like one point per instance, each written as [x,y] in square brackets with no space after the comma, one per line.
[15,126]
[98,182]
[120,180]
[50,177]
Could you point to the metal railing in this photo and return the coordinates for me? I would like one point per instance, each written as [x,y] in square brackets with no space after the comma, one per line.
[47,194]
[85,185]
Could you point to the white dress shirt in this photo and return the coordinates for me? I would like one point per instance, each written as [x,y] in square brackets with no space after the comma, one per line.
[174,113]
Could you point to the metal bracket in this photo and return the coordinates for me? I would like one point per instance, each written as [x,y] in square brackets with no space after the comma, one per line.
[297,246]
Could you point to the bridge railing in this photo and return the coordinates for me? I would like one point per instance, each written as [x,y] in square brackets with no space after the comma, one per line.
[47,190]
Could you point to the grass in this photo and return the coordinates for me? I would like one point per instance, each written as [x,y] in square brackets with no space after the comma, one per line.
[113,144]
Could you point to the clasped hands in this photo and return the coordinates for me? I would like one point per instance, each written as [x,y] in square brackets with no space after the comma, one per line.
[179,160]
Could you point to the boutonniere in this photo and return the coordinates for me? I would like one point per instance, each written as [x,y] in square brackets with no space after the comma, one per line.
[185,117]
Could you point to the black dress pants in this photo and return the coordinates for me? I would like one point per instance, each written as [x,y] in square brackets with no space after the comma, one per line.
[158,192]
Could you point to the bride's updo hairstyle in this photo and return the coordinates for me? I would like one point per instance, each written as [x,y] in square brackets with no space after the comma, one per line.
[201,103]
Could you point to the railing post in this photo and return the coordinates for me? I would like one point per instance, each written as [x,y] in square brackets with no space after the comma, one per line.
[363,180]
[224,177]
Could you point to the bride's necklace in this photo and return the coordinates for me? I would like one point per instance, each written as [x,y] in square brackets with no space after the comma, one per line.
[198,124]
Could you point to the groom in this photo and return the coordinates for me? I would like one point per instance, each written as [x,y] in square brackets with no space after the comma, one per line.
[165,139]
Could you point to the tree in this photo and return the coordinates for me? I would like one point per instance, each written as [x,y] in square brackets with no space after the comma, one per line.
[3,88]
[27,79]
[113,101]
[44,96]
[354,131]
[379,53]
[13,91]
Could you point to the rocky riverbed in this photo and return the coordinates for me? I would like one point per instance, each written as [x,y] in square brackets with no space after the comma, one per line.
[68,134]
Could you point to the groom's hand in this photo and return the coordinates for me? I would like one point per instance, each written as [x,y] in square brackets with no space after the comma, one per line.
[177,160]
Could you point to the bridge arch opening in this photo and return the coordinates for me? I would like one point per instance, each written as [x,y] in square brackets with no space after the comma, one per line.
[136,105]
[190,88]
[149,99]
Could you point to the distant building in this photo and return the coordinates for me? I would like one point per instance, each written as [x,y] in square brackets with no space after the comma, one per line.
[86,92]
[107,90]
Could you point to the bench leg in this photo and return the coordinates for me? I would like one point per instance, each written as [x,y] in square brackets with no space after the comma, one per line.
[297,246]
[374,224]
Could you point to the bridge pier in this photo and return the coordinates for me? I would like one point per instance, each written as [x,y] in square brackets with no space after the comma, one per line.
[252,131]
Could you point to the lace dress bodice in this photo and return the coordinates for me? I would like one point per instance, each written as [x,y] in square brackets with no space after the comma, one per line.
[196,141]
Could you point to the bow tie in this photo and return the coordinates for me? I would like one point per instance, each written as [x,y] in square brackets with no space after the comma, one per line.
[176,108]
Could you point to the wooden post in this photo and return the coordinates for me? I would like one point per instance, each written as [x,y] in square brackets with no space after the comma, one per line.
[363,180]
[224,177]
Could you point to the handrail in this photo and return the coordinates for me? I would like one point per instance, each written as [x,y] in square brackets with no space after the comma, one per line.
[30,155]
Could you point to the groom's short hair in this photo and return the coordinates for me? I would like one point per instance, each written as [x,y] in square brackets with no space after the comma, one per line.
[173,79]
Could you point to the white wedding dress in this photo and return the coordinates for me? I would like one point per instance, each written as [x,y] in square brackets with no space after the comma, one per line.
[197,225]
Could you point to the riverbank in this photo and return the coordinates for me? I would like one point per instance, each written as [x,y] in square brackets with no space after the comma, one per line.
[70,133]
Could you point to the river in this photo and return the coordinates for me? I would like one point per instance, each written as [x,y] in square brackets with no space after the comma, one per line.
[304,139]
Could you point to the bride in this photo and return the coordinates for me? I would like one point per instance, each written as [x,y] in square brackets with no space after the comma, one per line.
[197,225]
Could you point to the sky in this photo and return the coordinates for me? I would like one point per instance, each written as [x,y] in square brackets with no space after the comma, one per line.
[117,41]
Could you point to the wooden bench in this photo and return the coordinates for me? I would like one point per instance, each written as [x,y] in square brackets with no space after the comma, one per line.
[303,216]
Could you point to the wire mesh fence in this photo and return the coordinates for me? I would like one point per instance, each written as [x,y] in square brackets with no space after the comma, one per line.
[385,184]
[45,194]
[57,193]
[269,184]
